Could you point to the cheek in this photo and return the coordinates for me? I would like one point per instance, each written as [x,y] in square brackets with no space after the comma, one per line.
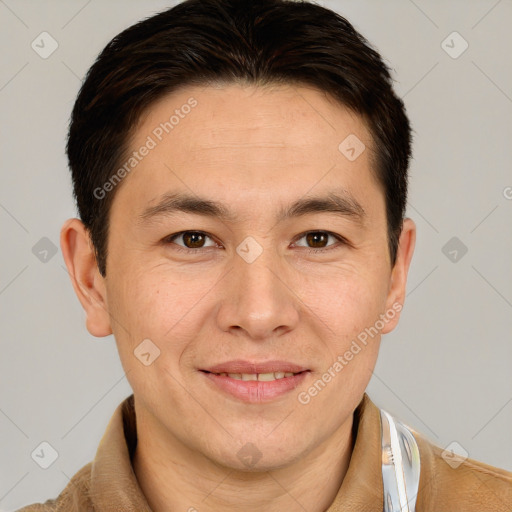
[150,306]
[158,304]
[347,302]
[350,343]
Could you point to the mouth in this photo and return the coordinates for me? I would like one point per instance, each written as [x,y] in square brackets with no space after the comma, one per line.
[260,377]
[253,382]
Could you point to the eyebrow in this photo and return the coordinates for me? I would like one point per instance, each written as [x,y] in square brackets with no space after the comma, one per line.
[339,202]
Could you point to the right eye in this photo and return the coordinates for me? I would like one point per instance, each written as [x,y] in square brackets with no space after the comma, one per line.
[191,241]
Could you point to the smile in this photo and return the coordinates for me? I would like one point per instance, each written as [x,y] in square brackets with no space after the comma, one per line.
[254,388]
[262,377]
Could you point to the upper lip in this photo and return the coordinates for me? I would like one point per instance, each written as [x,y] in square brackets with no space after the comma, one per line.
[241,366]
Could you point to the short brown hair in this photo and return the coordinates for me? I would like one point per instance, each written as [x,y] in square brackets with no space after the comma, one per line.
[201,42]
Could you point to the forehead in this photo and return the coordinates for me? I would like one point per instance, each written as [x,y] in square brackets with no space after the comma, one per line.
[235,116]
[261,142]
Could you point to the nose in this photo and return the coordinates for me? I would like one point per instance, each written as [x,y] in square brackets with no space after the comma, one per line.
[258,300]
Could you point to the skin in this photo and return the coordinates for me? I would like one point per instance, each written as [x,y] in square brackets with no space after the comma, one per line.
[254,149]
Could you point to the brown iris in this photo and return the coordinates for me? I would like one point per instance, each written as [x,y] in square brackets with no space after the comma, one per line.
[193,240]
[317,237]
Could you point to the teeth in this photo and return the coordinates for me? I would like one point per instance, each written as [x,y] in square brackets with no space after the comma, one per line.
[270,376]
[262,377]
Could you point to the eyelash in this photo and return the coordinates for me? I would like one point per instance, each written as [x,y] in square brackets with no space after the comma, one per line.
[309,250]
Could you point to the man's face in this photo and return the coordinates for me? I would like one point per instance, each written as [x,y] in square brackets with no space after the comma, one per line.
[249,288]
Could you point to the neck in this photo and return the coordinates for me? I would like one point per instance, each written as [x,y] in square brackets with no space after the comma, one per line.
[173,477]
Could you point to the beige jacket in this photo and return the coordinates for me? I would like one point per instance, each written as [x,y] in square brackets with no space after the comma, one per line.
[108,483]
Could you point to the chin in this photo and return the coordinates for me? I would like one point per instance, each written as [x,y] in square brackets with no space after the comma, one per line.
[257,457]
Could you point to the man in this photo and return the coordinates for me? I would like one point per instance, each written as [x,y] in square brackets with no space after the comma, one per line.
[240,169]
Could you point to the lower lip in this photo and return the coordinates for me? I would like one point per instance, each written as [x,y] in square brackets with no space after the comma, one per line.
[253,391]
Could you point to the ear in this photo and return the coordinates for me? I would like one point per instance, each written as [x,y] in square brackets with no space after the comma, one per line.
[88,283]
[398,281]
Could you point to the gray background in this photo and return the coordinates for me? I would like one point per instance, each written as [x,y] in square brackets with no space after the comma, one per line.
[446,370]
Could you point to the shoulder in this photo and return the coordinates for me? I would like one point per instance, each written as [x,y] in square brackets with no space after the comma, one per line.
[451,483]
[74,497]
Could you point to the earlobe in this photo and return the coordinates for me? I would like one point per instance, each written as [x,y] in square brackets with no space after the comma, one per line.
[88,283]
[398,282]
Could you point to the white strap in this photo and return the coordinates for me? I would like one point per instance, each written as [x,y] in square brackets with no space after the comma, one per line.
[400,465]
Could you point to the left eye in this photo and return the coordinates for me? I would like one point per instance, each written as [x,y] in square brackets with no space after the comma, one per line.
[319,240]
